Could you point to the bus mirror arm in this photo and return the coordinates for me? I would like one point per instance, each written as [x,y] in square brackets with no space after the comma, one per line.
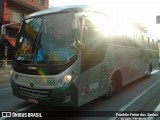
[3,38]
[79,45]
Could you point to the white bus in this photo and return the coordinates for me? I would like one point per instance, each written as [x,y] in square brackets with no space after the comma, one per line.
[71,55]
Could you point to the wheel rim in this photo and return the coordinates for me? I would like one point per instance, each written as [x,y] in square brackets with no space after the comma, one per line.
[110,88]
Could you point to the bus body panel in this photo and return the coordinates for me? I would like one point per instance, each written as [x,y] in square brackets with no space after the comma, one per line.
[92,83]
[98,58]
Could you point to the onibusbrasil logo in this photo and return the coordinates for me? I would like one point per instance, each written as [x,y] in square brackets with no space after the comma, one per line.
[20,114]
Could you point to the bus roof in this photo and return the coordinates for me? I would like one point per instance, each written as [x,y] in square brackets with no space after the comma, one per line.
[73,8]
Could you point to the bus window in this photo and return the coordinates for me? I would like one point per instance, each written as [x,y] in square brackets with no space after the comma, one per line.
[148,42]
[156,45]
[142,38]
[153,44]
[93,46]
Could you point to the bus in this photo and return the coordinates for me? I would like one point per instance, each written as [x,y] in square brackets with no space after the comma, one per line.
[71,55]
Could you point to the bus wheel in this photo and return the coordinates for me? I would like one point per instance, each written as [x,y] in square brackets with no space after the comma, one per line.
[110,88]
[149,70]
[113,85]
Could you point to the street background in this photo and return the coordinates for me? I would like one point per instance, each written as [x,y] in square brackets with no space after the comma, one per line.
[5,72]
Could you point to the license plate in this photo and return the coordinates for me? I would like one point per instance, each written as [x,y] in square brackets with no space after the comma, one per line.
[33,101]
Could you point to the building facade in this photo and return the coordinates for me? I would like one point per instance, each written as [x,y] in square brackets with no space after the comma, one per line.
[13,11]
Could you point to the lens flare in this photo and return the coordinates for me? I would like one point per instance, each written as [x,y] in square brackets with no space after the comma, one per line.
[43,75]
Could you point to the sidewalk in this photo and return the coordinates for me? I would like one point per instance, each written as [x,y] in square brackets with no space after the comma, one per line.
[5,73]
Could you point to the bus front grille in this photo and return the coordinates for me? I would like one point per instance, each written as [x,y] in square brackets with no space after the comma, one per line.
[36,93]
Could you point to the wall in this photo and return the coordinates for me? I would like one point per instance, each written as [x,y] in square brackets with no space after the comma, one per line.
[1,11]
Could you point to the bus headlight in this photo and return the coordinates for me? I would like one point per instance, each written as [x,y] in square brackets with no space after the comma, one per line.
[68,78]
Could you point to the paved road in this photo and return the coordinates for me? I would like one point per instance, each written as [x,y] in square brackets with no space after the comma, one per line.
[142,95]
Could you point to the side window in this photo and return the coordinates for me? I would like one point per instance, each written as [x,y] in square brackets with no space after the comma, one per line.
[92,38]
[93,45]
[153,46]
[142,38]
[148,42]
[156,45]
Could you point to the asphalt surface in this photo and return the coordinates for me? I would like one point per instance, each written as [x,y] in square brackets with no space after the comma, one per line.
[5,72]
[142,95]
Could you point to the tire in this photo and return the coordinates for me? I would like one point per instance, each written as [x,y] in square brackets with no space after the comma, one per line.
[148,72]
[113,85]
[110,90]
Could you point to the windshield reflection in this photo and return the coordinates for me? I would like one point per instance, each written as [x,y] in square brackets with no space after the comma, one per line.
[47,39]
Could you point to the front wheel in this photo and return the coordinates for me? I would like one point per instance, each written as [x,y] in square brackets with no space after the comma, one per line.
[110,89]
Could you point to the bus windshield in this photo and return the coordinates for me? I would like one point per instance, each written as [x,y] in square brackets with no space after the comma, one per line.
[47,39]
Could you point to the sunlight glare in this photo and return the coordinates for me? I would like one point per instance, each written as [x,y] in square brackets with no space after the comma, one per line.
[140,11]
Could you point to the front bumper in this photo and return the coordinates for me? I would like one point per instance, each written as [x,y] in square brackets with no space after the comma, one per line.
[66,96]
